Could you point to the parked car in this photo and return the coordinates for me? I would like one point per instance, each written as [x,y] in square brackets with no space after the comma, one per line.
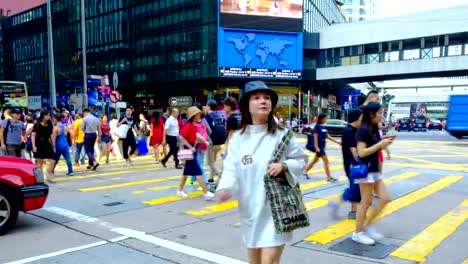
[335,127]
[22,188]
[405,125]
[435,125]
[420,125]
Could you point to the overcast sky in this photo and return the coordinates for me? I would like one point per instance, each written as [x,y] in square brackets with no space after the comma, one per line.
[390,8]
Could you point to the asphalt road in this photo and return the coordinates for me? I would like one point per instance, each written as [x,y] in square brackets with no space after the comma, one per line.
[131,215]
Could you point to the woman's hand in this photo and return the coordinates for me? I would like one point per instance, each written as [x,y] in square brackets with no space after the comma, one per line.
[34,149]
[223,195]
[275,169]
[193,149]
[385,142]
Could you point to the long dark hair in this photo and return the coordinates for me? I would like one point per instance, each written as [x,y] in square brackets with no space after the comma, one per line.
[368,114]
[247,119]
[42,115]
[156,117]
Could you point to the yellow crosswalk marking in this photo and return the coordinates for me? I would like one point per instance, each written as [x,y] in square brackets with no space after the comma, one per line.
[106,174]
[127,184]
[234,204]
[345,227]
[428,166]
[216,208]
[157,188]
[466,261]
[332,168]
[417,248]
[172,198]
[314,204]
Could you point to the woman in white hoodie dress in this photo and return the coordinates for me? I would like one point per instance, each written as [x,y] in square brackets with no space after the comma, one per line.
[249,153]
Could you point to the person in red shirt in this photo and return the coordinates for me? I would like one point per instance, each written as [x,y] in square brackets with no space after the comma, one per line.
[190,137]
[106,139]
[157,134]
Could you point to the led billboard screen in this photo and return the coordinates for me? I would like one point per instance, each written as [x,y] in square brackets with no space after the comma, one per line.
[282,15]
[259,54]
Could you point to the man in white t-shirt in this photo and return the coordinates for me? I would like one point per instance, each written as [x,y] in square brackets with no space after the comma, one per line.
[171,135]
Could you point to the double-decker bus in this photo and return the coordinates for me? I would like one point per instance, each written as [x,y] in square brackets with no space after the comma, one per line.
[13,94]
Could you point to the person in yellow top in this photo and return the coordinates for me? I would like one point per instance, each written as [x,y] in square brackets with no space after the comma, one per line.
[79,140]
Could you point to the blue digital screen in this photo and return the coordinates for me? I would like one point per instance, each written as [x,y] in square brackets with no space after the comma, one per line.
[260,54]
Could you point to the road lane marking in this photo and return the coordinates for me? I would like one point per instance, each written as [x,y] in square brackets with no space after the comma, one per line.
[195,252]
[417,248]
[317,203]
[427,166]
[106,174]
[58,253]
[127,184]
[169,199]
[157,188]
[332,168]
[142,236]
[216,208]
[347,226]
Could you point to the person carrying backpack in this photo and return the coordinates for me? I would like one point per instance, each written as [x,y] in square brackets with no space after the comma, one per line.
[218,136]
[12,133]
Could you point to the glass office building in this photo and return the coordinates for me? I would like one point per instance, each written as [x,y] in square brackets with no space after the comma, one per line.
[358,10]
[159,48]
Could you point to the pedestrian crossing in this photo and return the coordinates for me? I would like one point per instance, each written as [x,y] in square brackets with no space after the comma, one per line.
[160,190]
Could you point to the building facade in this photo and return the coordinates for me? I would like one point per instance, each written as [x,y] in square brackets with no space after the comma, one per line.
[158,48]
[358,10]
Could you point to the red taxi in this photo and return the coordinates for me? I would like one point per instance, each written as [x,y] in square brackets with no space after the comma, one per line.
[22,188]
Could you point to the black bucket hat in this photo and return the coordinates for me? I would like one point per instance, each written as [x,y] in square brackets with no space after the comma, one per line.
[258,86]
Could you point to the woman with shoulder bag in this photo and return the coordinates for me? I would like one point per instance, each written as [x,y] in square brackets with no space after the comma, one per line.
[369,145]
[189,137]
[247,163]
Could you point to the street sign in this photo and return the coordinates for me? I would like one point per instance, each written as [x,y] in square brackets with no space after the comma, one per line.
[173,101]
[345,92]
[114,96]
[115,80]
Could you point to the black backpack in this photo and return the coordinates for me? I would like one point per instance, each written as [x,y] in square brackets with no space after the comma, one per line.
[218,130]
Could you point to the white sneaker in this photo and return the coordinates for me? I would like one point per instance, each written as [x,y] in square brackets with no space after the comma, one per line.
[372,233]
[209,196]
[127,163]
[362,238]
[182,194]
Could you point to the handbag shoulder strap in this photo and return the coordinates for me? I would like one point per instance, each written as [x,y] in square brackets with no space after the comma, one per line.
[279,151]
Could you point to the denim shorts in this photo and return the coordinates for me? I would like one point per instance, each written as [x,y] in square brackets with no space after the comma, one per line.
[105,139]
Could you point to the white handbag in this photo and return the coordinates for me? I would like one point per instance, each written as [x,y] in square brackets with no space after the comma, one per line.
[121,131]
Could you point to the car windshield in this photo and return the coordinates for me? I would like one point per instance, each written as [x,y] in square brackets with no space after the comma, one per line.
[335,122]
[420,120]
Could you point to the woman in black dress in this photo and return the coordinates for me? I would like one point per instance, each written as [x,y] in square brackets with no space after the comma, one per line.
[43,146]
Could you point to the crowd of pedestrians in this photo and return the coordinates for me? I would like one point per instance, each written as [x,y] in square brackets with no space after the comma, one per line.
[195,138]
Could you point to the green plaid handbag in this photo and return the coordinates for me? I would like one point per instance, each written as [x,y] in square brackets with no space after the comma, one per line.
[287,207]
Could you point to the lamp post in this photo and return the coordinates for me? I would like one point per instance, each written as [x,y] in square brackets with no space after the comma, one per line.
[83,51]
[50,48]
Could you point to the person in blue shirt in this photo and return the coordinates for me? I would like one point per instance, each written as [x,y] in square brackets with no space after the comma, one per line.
[349,150]
[320,136]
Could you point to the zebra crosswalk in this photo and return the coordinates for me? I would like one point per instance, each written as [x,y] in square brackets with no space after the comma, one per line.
[410,184]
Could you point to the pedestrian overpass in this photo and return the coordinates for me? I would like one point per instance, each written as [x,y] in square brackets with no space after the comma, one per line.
[427,44]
